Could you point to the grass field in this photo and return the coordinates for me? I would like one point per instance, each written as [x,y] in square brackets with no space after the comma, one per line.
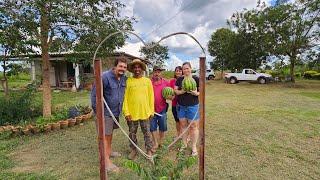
[252,132]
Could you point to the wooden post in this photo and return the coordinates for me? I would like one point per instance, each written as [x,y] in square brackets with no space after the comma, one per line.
[202,116]
[100,119]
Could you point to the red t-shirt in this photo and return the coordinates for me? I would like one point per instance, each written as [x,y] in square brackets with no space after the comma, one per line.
[172,84]
[159,102]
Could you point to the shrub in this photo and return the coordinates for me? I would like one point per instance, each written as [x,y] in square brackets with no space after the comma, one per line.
[19,106]
[309,74]
[163,168]
[298,75]
[316,76]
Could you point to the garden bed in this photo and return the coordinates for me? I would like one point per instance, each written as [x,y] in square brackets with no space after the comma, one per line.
[46,125]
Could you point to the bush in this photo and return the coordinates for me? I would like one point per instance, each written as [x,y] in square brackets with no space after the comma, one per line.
[163,168]
[316,76]
[309,74]
[19,106]
[298,75]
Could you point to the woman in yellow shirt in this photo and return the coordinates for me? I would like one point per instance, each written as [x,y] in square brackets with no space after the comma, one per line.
[138,106]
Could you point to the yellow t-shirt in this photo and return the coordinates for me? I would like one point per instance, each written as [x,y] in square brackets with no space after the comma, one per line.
[138,98]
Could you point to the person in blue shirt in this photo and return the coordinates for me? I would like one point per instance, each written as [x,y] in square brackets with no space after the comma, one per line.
[114,84]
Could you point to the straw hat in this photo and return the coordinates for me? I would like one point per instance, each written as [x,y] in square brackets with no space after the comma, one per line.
[134,62]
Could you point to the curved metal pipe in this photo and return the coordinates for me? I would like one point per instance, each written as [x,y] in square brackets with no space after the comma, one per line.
[112,34]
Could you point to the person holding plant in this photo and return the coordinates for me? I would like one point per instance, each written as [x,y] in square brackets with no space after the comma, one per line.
[187,108]
[138,106]
[114,84]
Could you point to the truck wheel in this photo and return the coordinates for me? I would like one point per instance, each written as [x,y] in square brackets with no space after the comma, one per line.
[210,77]
[262,80]
[233,80]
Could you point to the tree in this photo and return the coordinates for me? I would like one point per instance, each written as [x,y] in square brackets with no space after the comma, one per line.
[236,50]
[11,43]
[286,29]
[83,22]
[156,55]
[221,47]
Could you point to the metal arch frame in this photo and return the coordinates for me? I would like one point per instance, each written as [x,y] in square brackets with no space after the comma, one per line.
[100,109]
[144,43]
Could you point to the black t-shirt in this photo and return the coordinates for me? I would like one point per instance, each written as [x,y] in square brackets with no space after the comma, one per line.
[187,99]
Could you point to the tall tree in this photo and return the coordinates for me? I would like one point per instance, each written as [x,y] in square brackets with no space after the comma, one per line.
[285,30]
[80,21]
[220,46]
[236,50]
[157,54]
[11,43]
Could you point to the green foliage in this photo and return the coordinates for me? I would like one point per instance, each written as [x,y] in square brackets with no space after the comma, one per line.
[14,69]
[19,106]
[316,76]
[164,167]
[236,50]
[168,74]
[284,30]
[156,55]
[309,74]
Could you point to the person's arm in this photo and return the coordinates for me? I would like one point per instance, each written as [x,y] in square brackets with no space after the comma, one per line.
[125,107]
[177,91]
[151,98]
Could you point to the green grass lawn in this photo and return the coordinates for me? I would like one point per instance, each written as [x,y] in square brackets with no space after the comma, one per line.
[18,81]
[253,131]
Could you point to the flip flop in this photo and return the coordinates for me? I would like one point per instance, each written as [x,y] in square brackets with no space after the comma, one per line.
[115,154]
[112,168]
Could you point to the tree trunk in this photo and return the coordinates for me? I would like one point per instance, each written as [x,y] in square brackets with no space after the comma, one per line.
[292,65]
[4,81]
[46,97]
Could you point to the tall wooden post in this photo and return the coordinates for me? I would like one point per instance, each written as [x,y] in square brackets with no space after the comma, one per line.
[202,116]
[100,119]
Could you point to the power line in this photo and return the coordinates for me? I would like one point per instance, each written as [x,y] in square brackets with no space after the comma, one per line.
[171,18]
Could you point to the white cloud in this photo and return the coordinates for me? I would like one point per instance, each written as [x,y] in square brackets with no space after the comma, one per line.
[131,48]
[173,62]
[200,18]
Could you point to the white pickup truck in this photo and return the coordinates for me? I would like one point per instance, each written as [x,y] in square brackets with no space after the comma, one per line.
[210,75]
[247,75]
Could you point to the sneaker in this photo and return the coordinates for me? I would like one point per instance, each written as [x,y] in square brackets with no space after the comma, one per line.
[133,155]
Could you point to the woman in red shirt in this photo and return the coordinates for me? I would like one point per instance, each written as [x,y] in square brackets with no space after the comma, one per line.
[177,74]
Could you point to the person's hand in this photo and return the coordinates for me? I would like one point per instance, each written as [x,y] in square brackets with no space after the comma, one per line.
[150,117]
[128,118]
[195,93]
[171,97]
[182,91]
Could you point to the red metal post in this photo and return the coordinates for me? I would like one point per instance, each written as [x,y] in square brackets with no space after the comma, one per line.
[202,116]
[100,119]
